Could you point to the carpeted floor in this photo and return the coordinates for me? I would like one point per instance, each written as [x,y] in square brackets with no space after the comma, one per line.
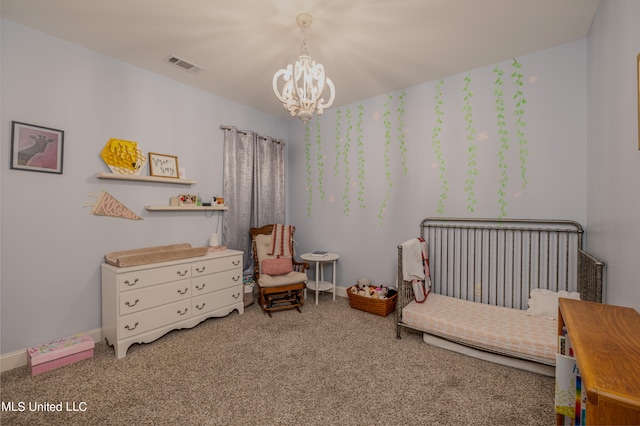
[330,365]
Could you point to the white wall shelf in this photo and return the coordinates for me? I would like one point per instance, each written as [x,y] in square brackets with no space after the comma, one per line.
[184,208]
[158,179]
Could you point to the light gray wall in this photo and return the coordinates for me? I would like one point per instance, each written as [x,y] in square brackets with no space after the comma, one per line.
[52,247]
[554,87]
[613,205]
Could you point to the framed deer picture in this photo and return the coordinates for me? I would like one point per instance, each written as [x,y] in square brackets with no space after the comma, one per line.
[36,148]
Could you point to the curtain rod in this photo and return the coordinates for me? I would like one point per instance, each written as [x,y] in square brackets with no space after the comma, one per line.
[246,132]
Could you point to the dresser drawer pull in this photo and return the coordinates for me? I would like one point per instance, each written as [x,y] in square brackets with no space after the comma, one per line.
[236,296]
[236,278]
[132,305]
[182,274]
[183,292]
[201,307]
[235,262]
[200,287]
[131,283]
[132,328]
[185,311]
[198,270]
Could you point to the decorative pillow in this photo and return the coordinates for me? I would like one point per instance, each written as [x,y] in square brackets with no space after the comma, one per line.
[544,303]
[277,266]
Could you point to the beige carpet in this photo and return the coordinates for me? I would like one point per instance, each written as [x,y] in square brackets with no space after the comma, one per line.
[330,365]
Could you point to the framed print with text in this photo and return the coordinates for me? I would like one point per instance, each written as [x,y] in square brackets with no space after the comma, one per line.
[163,165]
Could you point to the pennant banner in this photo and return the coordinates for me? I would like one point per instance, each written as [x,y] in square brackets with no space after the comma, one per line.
[107,205]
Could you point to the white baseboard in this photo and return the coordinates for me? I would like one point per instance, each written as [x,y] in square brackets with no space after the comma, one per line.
[19,358]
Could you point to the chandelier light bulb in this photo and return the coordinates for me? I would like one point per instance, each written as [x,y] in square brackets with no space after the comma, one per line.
[304,82]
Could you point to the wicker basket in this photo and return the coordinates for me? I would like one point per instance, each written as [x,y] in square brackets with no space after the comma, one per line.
[382,307]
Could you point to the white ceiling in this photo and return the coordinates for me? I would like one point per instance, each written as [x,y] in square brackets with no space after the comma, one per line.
[368,47]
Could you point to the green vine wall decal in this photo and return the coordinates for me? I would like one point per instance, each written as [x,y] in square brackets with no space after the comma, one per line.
[504,142]
[437,147]
[401,133]
[336,169]
[345,156]
[387,162]
[472,149]
[320,160]
[307,149]
[360,145]
[516,76]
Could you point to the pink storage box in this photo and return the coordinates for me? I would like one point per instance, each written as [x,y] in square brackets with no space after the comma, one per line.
[61,352]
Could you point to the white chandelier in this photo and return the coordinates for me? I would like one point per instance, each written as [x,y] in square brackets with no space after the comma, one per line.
[304,82]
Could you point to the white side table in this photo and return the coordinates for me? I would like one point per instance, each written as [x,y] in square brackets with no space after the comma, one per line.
[320,284]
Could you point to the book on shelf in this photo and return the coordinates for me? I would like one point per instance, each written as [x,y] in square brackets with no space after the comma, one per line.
[319,253]
[570,392]
[564,345]
[565,392]
[580,418]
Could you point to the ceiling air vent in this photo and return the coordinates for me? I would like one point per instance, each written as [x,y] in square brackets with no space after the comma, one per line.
[183,64]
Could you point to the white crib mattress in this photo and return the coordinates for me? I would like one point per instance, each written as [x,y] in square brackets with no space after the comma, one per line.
[503,330]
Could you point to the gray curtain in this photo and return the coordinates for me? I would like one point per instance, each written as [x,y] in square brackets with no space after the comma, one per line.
[253,187]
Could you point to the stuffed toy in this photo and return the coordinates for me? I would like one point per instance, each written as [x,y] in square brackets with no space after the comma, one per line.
[363,283]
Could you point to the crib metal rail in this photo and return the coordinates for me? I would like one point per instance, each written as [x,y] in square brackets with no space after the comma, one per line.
[590,277]
[498,262]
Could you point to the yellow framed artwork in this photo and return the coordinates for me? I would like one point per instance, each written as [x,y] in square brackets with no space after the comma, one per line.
[123,157]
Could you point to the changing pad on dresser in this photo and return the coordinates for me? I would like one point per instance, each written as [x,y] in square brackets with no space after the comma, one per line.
[156,254]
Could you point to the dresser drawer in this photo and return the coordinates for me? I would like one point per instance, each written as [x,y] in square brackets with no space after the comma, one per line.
[150,297]
[217,299]
[147,320]
[147,277]
[211,266]
[212,282]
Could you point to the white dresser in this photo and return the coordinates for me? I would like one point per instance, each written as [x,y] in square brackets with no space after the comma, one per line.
[142,303]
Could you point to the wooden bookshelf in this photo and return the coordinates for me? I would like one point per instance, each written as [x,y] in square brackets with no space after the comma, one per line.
[606,344]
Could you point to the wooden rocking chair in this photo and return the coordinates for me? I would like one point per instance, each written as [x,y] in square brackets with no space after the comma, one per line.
[281,291]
